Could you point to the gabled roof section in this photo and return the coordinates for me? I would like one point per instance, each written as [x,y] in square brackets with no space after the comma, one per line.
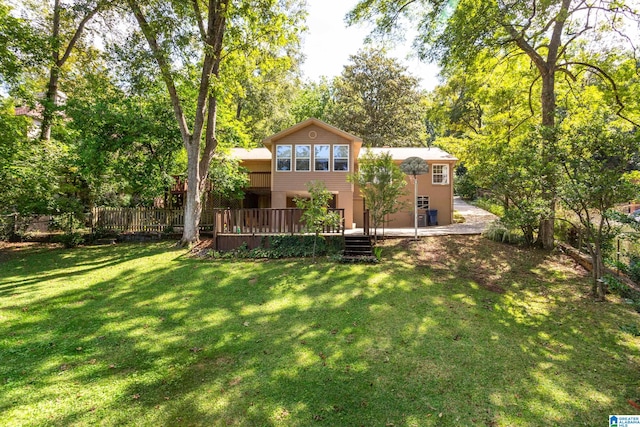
[312,121]
[403,153]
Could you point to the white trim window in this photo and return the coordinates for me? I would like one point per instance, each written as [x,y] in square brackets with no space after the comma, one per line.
[440,174]
[283,158]
[422,202]
[321,157]
[303,158]
[341,158]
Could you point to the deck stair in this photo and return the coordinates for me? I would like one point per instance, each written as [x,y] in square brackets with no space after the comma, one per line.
[357,246]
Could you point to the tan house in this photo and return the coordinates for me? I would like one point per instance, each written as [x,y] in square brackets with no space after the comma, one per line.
[316,151]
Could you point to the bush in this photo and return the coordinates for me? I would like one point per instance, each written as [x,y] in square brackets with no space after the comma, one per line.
[499,232]
[465,187]
[70,240]
[634,268]
[285,246]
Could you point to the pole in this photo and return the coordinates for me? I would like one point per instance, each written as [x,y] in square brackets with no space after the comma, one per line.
[415,205]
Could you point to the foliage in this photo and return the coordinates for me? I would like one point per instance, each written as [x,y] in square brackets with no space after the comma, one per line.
[596,161]
[127,145]
[634,269]
[568,38]
[222,44]
[70,239]
[313,99]
[465,186]
[35,176]
[381,184]
[377,252]
[316,215]
[376,99]
[286,246]
[20,46]
[498,231]
[227,177]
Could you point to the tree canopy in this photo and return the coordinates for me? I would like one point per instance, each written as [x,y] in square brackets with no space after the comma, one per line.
[377,99]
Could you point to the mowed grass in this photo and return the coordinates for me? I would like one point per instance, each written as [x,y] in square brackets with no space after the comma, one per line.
[451,331]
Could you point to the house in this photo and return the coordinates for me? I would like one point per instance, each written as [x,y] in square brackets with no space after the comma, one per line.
[35,120]
[314,150]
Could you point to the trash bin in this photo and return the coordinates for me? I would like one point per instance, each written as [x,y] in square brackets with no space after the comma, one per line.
[422,220]
[433,216]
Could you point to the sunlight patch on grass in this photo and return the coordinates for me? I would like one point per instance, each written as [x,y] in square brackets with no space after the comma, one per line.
[169,340]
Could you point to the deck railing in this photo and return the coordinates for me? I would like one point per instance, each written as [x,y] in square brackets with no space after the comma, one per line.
[266,221]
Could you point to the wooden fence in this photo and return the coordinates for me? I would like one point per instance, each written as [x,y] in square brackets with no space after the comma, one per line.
[220,221]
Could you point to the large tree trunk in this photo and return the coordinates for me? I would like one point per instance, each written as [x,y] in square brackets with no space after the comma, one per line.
[59,57]
[49,103]
[546,230]
[193,202]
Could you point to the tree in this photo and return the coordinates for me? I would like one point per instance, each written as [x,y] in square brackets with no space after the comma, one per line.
[482,115]
[598,155]
[64,27]
[550,34]
[206,34]
[381,183]
[20,46]
[313,99]
[33,176]
[376,99]
[127,145]
[316,216]
[228,178]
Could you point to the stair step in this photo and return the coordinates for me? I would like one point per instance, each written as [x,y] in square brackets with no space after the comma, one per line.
[357,247]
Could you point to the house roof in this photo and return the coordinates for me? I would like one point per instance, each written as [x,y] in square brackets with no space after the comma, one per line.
[26,111]
[251,154]
[403,153]
[270,140]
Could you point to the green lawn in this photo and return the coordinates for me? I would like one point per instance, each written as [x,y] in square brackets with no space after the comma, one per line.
[453,331]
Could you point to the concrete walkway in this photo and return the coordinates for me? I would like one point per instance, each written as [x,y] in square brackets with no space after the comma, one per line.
[476,220]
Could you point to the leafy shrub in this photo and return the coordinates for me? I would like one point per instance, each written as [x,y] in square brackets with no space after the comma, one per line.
[490,205]
[70,240]
[285,246]
[13,228]
[499,232]
[465,187]
[631,330]
[377,252]
[615,285]
[634,268]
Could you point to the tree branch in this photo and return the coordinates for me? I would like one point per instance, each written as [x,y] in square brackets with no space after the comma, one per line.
[78,33]
[198,14]
[398,12]
[611,81]
[165,68]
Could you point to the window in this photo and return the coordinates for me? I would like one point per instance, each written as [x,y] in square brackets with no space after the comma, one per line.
[422,202]
[441,174]
[341,158]
[321,158]
[303,157]
[283,158]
